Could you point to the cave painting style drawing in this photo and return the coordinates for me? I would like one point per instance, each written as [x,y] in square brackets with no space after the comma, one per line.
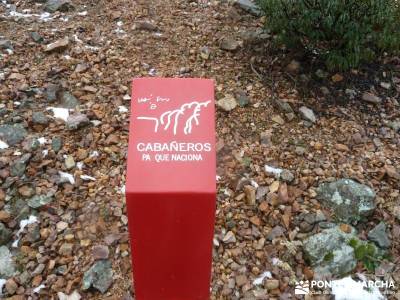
[172,118]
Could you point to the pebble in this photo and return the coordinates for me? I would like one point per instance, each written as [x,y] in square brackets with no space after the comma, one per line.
[100,252]
[58,45]
[77,121]
[371,98]
[69,162]
[227,103]
[229,44]
[307,114]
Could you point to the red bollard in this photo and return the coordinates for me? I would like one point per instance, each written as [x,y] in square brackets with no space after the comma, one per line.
[171,187]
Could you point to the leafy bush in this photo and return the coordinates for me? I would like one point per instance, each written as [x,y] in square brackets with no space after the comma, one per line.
[344,33]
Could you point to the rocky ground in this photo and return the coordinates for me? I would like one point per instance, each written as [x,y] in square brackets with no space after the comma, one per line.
[308,161]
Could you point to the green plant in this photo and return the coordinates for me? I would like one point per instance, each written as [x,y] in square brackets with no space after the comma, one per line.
[367,253]
[344,33]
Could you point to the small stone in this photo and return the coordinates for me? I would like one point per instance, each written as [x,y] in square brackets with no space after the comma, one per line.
[100,276]
[300,150]
[307,114]
[229,238]
[250,192]
[249,6]
[66,249]
[26,191]
[56,143]
[286,176]
[241,280]
[392,172]
[58,45]
[5,234]
[342,148]
[229,44]
[77,121]
[52,91]
[271,284]
[293,66]
[61,226]
[58,5]
[18,169]
[386,85]
[371,98]
[39,201]
[80,68]
[242,98]
[227,103]
[6,262]
[144,25]
[68,100]
[275,232]
[69,162]
[4,216]
[36,37]
[205,52]
[12,134]
[379,236]
[337,78]
[5,44]
[100,252]
[278,119]
[283,106]
[11,286]
[39,118]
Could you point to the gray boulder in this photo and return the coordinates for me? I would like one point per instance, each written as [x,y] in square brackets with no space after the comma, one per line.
[349,200]
[329,251]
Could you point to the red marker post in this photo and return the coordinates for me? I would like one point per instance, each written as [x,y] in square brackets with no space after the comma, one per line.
[171,187]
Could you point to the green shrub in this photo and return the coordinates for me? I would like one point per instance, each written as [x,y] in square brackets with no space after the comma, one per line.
[344,33]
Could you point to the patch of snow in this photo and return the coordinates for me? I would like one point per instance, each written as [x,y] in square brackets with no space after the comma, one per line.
[87,177]
[37,289]
[42,141]
[2,283]
[67,57]
[92,48]
[126,97]
[95,122]
[217,178]
[79,165]
[152,72]
[17,103]
[67,176]
[74,296]
[254,184]
[94,154]
[275,261]
[123,189]
[259,280]
[275,171]
[349,289]
[82,13]
[9,51]
[45,153]
[75,36]
[22,225]
[17,153]
[122,109]
[3,145]
[59,113]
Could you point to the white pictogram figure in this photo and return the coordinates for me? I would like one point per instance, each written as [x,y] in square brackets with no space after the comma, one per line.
[171,118]
[302,288]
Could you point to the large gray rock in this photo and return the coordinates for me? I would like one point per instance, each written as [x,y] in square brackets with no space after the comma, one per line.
[58,5]
[329,251]
[307,114]
[5,234]
[349,200]
[12,134]
[249,6]
[100,276]
[379,236]
[7,265]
